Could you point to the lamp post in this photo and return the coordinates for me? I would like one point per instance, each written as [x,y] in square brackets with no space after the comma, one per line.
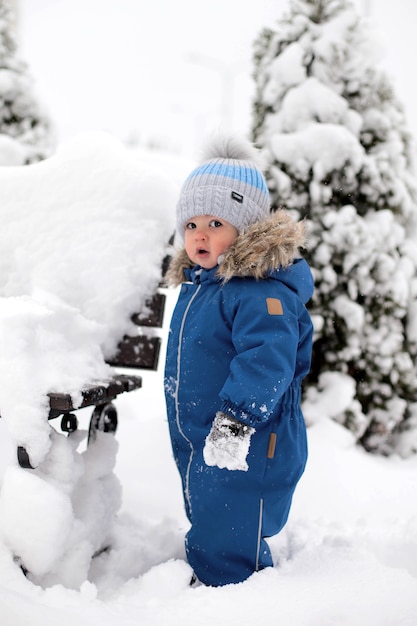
[367,7]
[227,75]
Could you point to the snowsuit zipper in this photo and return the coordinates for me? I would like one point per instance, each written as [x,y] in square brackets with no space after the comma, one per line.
[177,413]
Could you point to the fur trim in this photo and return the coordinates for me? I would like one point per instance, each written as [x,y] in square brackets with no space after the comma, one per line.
[175,273]
[256,252]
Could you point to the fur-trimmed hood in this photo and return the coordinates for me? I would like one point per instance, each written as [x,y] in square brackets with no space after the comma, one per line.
[256,253]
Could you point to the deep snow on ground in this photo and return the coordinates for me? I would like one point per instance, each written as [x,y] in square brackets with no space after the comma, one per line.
[348,554]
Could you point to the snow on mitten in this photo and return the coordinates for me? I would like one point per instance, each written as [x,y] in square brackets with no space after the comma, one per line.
[227,444]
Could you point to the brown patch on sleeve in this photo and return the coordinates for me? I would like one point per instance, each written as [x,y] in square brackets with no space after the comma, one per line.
[271,446]
[274,306]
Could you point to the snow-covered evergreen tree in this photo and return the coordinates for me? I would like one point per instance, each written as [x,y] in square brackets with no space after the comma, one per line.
[25,130]
[338,154]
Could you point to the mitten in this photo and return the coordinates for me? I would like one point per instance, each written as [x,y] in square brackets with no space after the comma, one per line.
[227,444]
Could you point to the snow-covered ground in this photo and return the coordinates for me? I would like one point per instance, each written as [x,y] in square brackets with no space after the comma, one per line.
[348,554]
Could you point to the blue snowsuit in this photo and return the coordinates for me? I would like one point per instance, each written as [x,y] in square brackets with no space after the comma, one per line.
[240,346]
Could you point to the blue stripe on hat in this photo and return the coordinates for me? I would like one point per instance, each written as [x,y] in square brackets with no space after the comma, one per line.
[248,175]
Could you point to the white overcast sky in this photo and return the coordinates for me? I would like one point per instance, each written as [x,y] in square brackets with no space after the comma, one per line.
[168,70]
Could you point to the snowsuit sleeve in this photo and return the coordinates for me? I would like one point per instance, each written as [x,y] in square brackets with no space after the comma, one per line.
[268,324]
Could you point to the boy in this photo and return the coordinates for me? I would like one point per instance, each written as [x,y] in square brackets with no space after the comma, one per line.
[238,348]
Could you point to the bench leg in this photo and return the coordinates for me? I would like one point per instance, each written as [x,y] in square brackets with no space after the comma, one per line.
[23,458]
[69,424]
[104,418]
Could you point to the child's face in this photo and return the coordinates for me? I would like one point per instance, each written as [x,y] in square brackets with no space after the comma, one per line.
[206,238]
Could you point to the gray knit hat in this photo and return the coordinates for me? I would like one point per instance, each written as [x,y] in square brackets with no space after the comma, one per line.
[228,184]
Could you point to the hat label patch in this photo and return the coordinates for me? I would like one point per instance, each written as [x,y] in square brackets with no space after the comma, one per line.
[237,196]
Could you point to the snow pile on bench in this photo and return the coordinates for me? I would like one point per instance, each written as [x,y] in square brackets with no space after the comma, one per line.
[82,238]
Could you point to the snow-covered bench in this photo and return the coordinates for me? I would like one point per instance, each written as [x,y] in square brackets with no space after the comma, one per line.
[83,236]
[82,491]
[139,351]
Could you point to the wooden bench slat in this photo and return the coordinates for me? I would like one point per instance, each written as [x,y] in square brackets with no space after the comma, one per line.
[139,352]
[94,395]
[153,315]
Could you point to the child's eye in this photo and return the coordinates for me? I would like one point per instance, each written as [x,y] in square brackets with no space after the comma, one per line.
[215,223]
[190,225]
